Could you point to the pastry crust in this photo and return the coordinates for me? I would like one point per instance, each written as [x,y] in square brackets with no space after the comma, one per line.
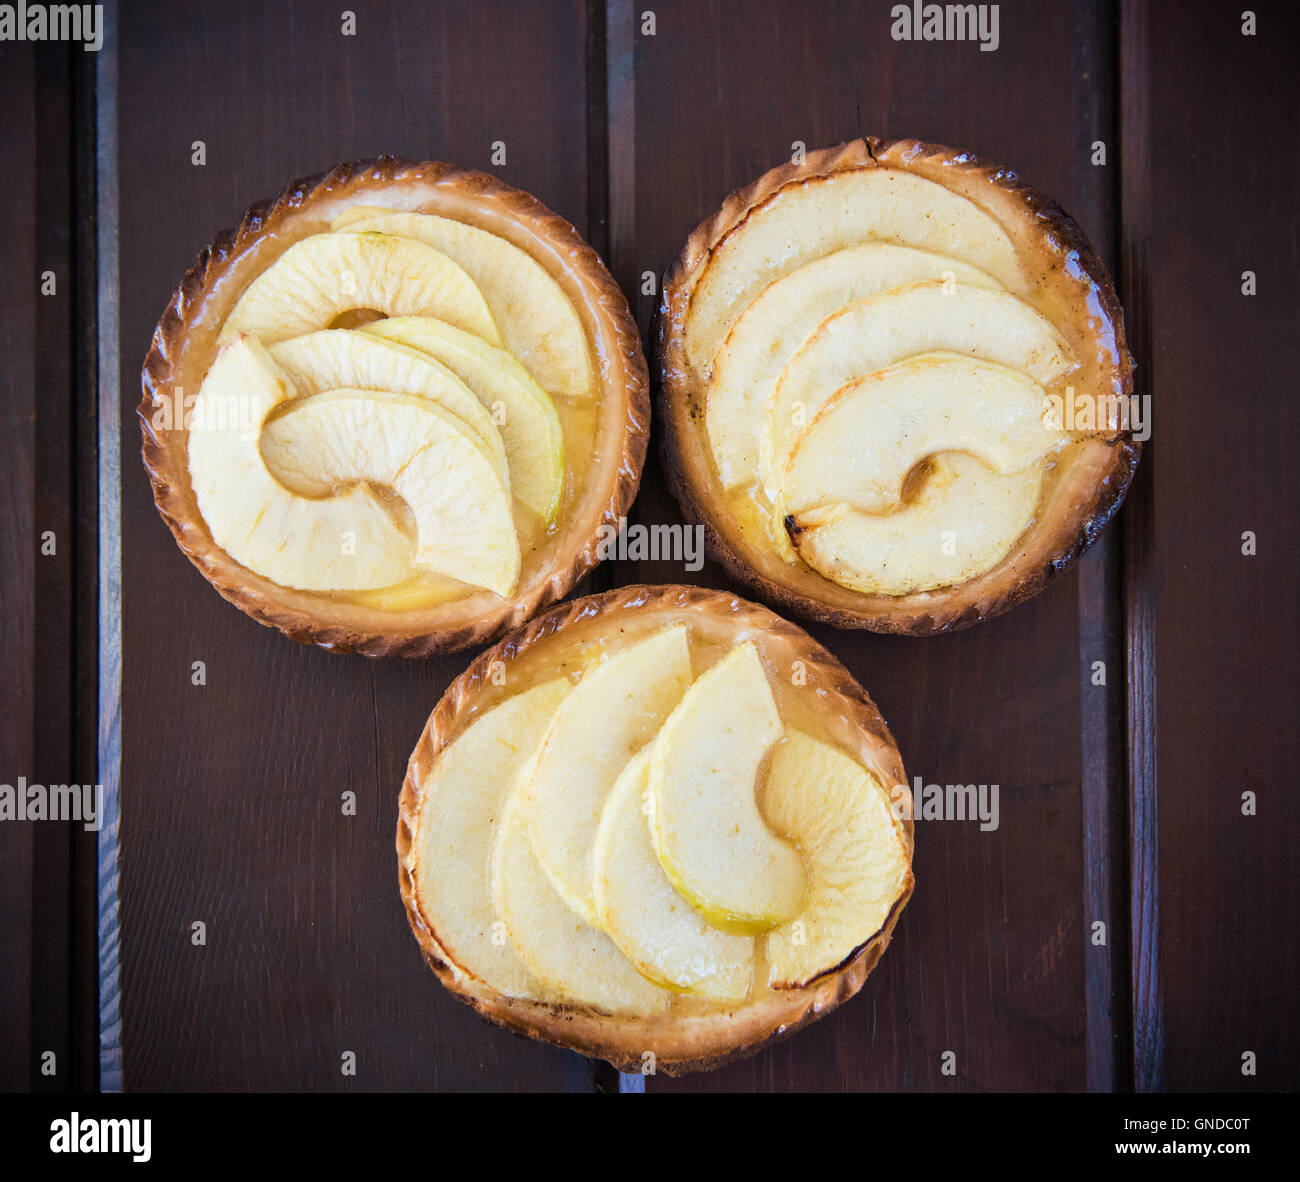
[1085,494]
[184,344]
[679,1043]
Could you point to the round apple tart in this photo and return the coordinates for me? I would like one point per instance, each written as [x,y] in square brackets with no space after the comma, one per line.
[391,410]
[660,826]
[896,387]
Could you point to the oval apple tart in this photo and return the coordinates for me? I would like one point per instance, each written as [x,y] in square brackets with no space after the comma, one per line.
[896,387]
[391,410]
[659,826]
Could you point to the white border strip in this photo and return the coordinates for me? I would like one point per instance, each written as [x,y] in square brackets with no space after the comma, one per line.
[109,743]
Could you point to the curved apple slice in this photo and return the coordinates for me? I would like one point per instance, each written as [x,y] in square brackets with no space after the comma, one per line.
[881,330]
[840,816]
[539,324]
[616,709]
[705,822]
[324,277]
[656,929]
[348,542]
[518,407]
[460,808]
[337,358]
[804,221]
[578,962]
[873,432]
[460,507]
[787,312]
[964,521]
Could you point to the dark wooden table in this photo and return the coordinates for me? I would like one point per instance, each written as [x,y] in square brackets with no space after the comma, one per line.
[1121,804]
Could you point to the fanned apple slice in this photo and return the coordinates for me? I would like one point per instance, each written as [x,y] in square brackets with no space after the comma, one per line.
[461,802]
[346,542]
[519,408]
[459,505]
[964,520]
[787,312]
[840,815]
[336,358]
[663,935]
[616,709]
[579,963]
[881,330]
[804,221]
[539,324]
[327,276]
[705,822]
[871,434]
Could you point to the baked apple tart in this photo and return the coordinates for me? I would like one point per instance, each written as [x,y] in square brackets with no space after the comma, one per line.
[659,826]
[896,387]
[391,410]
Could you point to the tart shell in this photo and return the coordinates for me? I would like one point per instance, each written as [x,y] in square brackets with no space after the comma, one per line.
[680,1044]
[1090,493]
[184,345]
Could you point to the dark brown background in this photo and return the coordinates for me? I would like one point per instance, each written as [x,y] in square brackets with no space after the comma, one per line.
[1119,804]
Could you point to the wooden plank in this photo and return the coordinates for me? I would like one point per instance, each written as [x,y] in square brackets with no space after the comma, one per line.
[989,960]
[231,791]
[1210,179]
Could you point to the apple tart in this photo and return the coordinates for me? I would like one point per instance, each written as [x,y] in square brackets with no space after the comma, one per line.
[660,826]
[391,410]
[896,387]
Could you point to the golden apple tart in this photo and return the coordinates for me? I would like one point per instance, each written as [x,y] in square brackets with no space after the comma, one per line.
[659,826]
[896,387]
[391,410]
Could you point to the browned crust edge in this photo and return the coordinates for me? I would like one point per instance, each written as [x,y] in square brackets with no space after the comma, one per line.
[700,1044]
[929,613]
[622,375]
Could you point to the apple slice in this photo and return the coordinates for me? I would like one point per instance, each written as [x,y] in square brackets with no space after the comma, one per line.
[336,358]
[461,802]
[964,520]
[460,508]
[705,822]
[667,939]
[840,815]
[871,434]
[325,277]
[348,542]
[519,408]
[539,324]
[579,963]
[770,331]
[616,709]
[881,330]
[804,221]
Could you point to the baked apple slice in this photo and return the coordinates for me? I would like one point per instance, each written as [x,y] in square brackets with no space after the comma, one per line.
[656,929]
[616,709]
[705,824]
[771,330]
[461,812]
[459,506]
[576,961]
[519,408]
[328,276]
[840,815]
[296,540]
[539,324]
